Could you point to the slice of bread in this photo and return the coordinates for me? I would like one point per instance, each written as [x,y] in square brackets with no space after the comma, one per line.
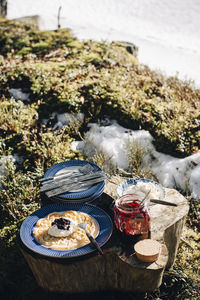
[147,250]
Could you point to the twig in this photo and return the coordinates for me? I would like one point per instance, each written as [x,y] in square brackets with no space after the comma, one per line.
[125,173]
[187,243]
[59,16]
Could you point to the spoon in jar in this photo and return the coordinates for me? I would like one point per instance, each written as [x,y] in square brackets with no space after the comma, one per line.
[127,208]
[144,198]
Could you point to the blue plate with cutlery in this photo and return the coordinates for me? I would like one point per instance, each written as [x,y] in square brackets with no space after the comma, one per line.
[100,216]
[73,181]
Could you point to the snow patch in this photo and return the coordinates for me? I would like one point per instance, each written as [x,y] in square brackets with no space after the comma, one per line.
[113,141]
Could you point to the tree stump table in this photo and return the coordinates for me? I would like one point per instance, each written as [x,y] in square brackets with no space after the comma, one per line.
[118,268]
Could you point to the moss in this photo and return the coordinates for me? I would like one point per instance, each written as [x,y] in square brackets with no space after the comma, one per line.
[15,116]
[97,77]
[41,48]
[24,51]
[75,44]
[16,36]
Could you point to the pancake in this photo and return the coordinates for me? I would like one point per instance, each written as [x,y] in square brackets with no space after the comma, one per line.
[76,239]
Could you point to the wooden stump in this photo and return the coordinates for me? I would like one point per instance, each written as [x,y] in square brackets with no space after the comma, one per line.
[166,221]
[118,268]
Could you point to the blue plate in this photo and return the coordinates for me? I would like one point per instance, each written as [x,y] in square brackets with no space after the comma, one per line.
[124,185]
[100,216]
[73,164]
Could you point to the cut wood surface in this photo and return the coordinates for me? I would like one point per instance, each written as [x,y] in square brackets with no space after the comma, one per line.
[118,268]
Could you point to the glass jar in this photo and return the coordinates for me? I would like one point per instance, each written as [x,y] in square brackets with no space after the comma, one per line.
[130,216]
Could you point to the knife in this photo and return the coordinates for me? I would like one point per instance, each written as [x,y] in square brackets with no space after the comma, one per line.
[47,186]
[84,170]
[64,188]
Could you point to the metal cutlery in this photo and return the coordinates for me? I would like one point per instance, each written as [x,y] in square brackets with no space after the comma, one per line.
[86,169]
[68,188]
[92,240]
[52,184]
[157,201]
[141,203]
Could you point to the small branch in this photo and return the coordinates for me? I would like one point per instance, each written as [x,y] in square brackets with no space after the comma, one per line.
[123,172]
[59,16]
[187,243]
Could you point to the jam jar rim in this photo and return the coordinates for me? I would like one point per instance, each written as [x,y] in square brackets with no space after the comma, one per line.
[142,206]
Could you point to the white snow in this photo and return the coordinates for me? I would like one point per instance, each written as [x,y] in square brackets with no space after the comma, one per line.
[19,95]
[3,164]
[67,119]
[113,141]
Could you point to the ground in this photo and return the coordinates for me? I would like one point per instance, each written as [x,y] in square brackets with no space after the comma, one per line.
[63,74]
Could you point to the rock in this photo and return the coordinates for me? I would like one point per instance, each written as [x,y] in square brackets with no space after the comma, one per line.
[131,48]
[34,21]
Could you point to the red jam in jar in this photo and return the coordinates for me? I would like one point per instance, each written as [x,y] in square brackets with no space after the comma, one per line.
[130,216]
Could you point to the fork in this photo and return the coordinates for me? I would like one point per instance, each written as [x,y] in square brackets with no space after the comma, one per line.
[92,240]
[51,184]
[86,169]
